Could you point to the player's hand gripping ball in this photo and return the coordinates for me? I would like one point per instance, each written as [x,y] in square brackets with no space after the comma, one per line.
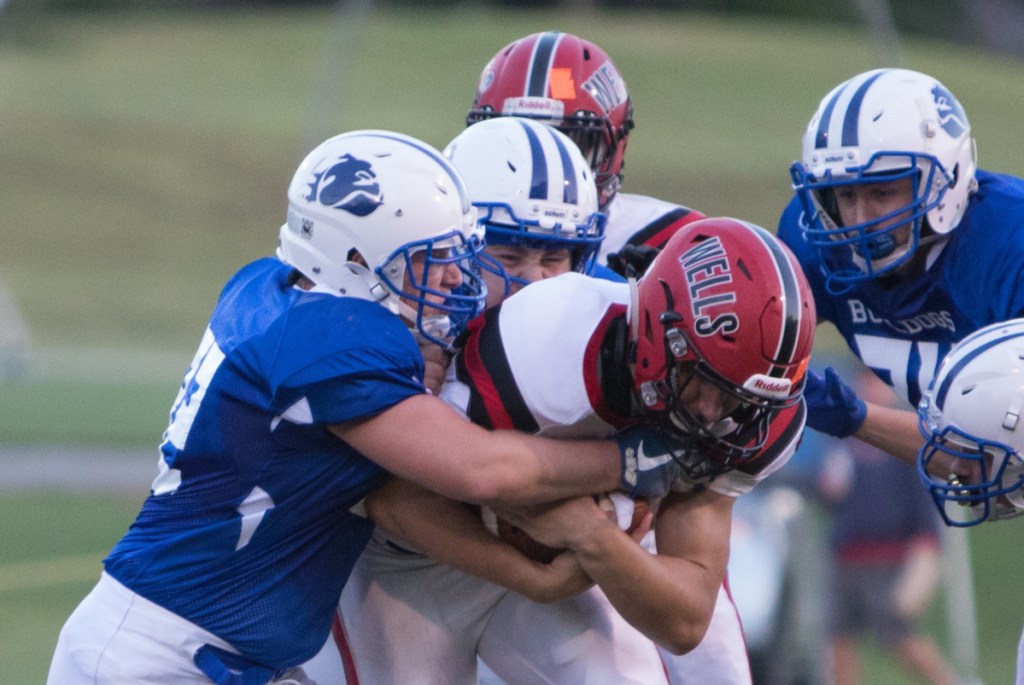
[627,514]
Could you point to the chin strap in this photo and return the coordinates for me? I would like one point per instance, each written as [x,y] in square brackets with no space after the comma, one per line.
[355,280]
[633,317]
[634,312]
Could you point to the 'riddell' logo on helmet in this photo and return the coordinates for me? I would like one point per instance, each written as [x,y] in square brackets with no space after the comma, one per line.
[766,386]
[951,115]
[707,272]
[347,184]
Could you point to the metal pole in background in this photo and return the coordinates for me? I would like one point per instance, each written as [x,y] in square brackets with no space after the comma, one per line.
[331,78]
[958,594]
[882,30]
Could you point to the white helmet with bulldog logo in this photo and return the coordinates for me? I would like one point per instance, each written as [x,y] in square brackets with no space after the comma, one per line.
[384,197]
[884,125]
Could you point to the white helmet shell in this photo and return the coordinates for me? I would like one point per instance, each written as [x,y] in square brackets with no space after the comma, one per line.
[895,110]
[883,125]
[531,185]
[384,196]
[973,412]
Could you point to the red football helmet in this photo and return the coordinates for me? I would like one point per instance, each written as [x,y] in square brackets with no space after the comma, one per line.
[726,303]
[569,83]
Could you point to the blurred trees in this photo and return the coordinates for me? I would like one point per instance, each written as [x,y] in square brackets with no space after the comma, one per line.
[995,24]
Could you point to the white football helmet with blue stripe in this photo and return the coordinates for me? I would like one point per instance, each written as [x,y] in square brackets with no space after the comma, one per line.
[972,414]
[884,125]
[531,187]
[387,197]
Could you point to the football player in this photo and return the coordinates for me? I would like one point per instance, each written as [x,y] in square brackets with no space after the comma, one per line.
[581,357]
[572,84]
[306,386]
[908,247]
[970,417]
[537,199]
[970,414]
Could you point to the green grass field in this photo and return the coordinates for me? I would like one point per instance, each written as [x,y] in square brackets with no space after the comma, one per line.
[144,158]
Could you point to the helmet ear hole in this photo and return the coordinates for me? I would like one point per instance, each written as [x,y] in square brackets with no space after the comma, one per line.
[648,327]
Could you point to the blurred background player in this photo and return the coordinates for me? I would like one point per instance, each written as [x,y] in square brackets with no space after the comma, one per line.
[971,416]
[884,541]
[300,396]
[891,221]
[754,431]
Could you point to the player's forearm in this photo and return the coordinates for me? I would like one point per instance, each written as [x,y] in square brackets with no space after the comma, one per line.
[891,430]
[452,534]
[545,470]
[425,441]
[665,598]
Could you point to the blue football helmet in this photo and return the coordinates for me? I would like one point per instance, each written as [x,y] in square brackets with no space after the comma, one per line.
[363,206]
[972,413]
[883,125]
[532,187]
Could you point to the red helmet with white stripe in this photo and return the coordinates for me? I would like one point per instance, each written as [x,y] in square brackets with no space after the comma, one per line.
[566,82]
[723,312]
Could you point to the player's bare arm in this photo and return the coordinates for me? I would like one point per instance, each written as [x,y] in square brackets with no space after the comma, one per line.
[435,366]
[453,534]
[892,430]
[670,596]
[424,440]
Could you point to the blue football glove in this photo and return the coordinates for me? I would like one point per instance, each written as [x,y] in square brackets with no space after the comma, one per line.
[648,465]
[833,407]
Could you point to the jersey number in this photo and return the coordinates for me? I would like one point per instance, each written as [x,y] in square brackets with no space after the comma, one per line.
[193,389]
[910,366]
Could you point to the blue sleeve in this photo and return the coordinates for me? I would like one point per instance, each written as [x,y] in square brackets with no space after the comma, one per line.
[986,252]
[347,359]
[606,274]
[789,233]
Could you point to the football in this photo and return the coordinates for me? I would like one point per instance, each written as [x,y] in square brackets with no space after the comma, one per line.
[627,513]
[517,537]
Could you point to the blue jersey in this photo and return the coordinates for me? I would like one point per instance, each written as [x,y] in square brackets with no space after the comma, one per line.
[247,530]
[903,331]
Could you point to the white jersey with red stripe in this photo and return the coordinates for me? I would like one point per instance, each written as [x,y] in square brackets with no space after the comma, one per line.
[642,220]
[531,351]
[530,364]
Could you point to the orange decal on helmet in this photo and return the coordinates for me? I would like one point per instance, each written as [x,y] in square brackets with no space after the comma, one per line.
[560,81]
